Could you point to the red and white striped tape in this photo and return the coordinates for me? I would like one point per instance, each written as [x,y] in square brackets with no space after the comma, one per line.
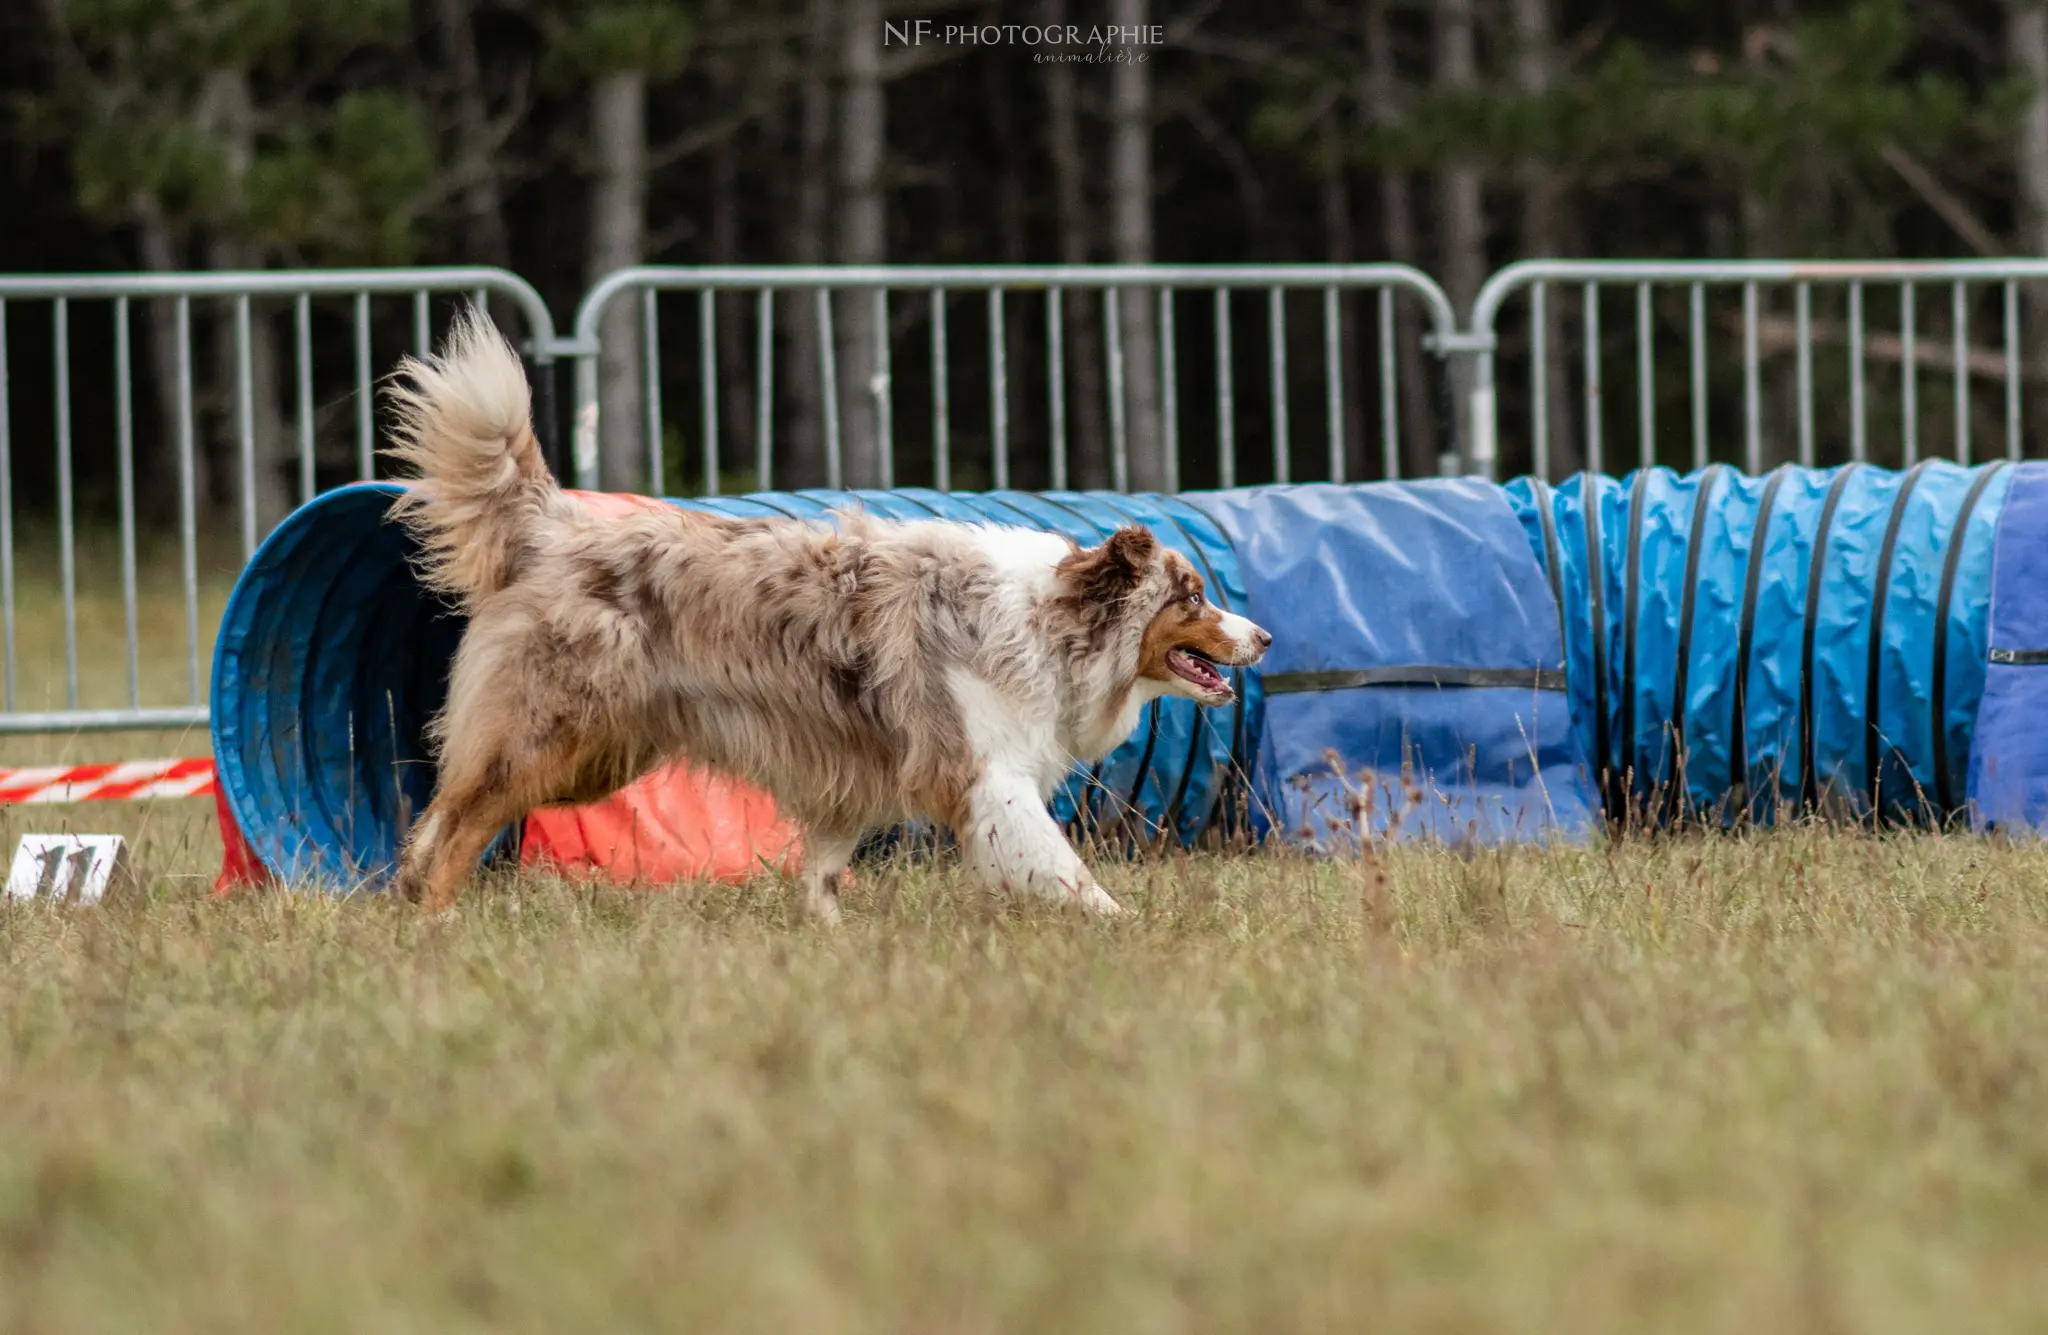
[127,780]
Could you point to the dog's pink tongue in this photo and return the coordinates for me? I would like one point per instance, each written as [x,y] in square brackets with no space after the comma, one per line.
[1197,670]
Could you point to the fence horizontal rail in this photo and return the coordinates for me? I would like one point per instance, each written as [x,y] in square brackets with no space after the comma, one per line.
[1115,390]
[1137,377]
[219,458]
[1790,311]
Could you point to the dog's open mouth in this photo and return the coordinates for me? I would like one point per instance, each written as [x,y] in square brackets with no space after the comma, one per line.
[1199,670]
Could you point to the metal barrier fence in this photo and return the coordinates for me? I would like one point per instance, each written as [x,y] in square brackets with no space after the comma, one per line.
[1155,320]
[246,313]
[1870,312]
[1128,377]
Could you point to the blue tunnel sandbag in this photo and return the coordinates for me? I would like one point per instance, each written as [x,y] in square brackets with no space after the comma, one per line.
[331,659]
[1712,673]
[2009,759]
[1417,642]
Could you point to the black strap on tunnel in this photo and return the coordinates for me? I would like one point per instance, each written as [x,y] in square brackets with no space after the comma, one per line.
[1745,638]
[1702,499]
[1951,563]
[1632,566]
[1880,595]
[1596,579]
[1809,774]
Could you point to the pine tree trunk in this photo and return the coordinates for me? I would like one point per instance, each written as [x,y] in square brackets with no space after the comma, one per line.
[1460,198]
[231,116]
[1543,228]
[800,453]
[1088,452]
[1383,99]
[735,357]
[157,486]
[476,161]
[1339,247]
[863,134]
[618,221]
[2027,38]
[1130,177]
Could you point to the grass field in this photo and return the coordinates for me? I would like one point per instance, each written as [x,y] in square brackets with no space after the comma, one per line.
[1785,1083]
[1790,1084]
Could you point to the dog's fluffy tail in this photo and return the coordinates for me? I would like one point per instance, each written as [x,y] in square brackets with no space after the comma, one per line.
[465,427]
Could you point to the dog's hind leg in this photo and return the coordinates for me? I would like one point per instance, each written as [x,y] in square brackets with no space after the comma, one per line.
[825,860]
[1012,841]
[450,838]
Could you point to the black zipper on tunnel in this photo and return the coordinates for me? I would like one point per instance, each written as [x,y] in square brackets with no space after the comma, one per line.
[1745,636]
[1630,597]
[1596,566]
[1873,760]
[1809,779]
[1944,785]
[1702,498]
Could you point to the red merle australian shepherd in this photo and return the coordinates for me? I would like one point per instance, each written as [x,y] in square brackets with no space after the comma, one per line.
[862,672]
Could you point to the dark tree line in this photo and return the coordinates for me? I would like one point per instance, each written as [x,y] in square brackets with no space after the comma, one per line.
[564,139]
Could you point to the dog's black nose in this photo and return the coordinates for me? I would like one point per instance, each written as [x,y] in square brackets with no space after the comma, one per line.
[1263,639]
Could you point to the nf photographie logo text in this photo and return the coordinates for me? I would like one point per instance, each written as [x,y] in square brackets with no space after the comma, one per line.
[1106,41]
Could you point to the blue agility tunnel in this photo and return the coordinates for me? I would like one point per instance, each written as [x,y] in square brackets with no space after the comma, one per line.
[1505,663]
[1807,640]
[1414,638]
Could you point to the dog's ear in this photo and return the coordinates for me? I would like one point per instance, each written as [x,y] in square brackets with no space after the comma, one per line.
[1115,567]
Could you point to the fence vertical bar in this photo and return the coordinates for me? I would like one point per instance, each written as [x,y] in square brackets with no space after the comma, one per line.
[1539,380]
[2012,371]
[1169,391]
[1226,398]
[67,553]
[1859,428]
[124,468]
[422,324]
[1697,348]
[998,388]
[245,421]
[1592,319]
[1056,383]
[1333,376]
[1390,405]
[6,526]
[764,388]
[942,425]
[1752,386]
[1113,352]
[828,374]
[366,436]
[302,347]
[1276,342]
[707,371]
[1909,377]
[884,391]
[1803,318]
[188,497]
[1959,320]
[650,396]
[1646,378]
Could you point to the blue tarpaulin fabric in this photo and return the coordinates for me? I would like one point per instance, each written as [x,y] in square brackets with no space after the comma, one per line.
[1837,661]
[2009,760]
[1417,642]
